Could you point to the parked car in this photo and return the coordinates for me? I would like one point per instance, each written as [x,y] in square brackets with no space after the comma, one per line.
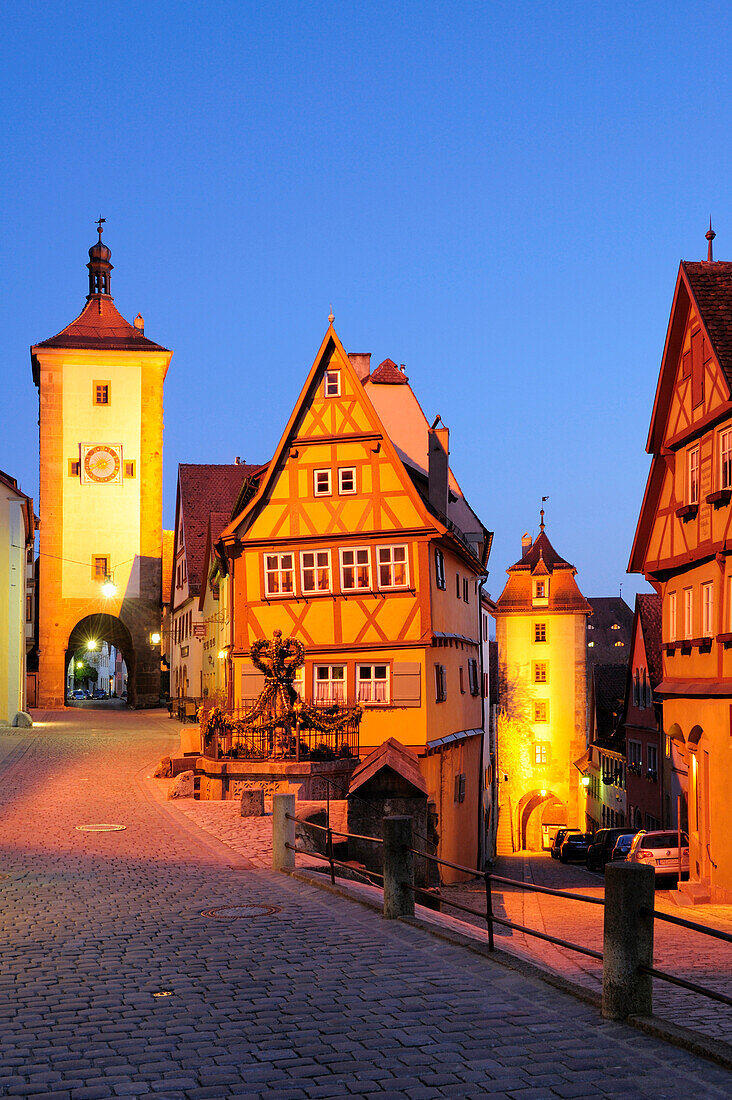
[660,849]
[99,694]
[79,694]
[557,841]
[601,848]
[574,847]
[622,847]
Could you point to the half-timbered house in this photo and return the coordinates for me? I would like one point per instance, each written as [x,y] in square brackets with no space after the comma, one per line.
[360,543]
[683,545]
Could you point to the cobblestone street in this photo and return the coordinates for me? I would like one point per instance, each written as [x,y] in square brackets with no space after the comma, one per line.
[319,998]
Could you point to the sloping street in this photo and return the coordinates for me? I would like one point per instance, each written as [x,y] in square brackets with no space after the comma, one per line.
[115,982]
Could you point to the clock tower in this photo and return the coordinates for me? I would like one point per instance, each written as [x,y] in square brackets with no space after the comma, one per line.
[100,387]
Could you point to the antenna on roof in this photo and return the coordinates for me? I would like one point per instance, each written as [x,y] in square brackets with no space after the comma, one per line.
[621,590]
[541,513]
[710,235]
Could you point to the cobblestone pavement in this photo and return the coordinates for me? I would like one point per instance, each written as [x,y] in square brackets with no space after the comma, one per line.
[322,998]
[681,952]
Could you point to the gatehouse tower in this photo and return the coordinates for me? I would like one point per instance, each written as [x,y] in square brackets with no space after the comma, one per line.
[100,388]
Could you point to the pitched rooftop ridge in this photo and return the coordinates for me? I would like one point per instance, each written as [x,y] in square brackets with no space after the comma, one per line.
[100,325]
[649,610]
[540,550]
[388,374]
[390,754]
[710,282]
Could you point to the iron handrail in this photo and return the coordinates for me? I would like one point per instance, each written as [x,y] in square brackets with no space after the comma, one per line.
[703,928]
[330,829]
[332,861]
[686,985]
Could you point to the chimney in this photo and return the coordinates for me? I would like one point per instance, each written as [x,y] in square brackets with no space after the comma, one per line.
[526,541]
[438,466]
[140,323]
[361,362]
[237,461]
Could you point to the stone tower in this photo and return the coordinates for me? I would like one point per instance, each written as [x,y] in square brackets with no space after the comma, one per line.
[541,730]
[100,387]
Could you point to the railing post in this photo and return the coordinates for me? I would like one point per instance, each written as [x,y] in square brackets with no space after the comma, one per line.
[489,909]
[330,856]
[628,941]
[398,868]
[283,832]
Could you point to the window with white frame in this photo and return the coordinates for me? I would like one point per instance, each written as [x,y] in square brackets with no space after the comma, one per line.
[707,594]
[541,710]
[392,566]
[440,568]
[672,617]
[298,682]
[321,483]
[315,571]
[652,759]
[372,683]
[688,612]
[355,569]
[440,683]
[329,683]
[541,752]
[540,672]
[692,479]
[332,387]
[539,632]
[725,460]
[279,574]
[346,480]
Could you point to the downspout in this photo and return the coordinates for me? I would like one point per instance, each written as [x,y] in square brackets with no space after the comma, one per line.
[481,776]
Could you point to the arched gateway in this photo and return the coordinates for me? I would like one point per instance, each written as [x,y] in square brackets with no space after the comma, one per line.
[100,387]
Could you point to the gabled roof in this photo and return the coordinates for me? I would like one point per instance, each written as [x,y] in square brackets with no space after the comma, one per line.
[216,523]
[99,326]
[611,622]
[608,682]
[541,548]
[648,607]
[391,754]
[203,489]
[711,287]
[388,374]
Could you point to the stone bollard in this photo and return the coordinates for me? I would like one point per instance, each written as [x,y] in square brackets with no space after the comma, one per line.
[283,832]
[398,868]
[628,940]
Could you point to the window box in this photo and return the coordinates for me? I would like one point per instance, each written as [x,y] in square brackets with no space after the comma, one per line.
[726,639]
[687,511]
[720,497]
[671,647]
[700,643]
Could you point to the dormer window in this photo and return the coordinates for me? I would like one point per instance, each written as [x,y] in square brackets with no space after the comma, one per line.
[541,592]
[332,383]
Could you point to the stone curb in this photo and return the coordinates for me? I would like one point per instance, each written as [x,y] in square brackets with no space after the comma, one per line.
[714,1050]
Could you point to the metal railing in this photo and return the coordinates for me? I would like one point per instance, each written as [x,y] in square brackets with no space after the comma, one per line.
[264,737]
[631,929]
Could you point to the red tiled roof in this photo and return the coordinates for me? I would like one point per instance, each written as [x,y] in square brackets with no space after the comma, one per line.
[391,754]
[101,325]
[388,374]
[711,285]
[649,609]
[206,489]
[542,548]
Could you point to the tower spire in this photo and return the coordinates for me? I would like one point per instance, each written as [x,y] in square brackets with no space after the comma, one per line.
[541,513]
[710,235]
[99,265]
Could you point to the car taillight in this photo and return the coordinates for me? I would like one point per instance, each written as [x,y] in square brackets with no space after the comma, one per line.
[643,855]
[685,852]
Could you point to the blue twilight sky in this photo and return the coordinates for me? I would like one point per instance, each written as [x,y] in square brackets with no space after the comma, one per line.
[496,195]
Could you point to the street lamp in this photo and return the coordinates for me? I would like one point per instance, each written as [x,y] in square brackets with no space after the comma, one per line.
[109,588]
[155,638]
[91,644]
[585,781]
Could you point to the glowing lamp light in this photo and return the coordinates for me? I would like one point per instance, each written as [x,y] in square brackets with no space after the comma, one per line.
[79,664]
[109,588]
[585,780]
[543,794]
[155,638]
[91,644]
[222,655]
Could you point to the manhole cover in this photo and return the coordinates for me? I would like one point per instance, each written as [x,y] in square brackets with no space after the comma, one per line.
[229,912]
[100,828]
[164,993]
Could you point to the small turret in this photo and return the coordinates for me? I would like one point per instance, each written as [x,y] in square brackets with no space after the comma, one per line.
[99,266]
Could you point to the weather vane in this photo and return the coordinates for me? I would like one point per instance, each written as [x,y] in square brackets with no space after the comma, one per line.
[541,512]
[100,223]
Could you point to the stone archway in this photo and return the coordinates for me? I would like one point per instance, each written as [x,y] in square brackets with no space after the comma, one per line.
[102,627]
[537,808]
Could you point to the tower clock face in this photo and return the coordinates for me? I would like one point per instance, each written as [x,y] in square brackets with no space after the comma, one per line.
[102,462]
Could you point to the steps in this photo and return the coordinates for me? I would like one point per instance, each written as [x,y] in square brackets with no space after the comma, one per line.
[504,845]
[694,893]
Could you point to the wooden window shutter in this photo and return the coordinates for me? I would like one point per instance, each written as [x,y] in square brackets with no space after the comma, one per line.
[406,684]
[697,368]
[252,682]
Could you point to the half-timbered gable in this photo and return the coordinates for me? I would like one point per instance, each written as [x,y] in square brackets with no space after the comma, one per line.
[359,543]
[683,544]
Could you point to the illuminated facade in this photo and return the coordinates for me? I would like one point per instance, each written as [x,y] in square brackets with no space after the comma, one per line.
[541,726]
[100,386]
[359,542]
[682,546]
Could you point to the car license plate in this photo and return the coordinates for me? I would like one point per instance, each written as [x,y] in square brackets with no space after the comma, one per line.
[673,862]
